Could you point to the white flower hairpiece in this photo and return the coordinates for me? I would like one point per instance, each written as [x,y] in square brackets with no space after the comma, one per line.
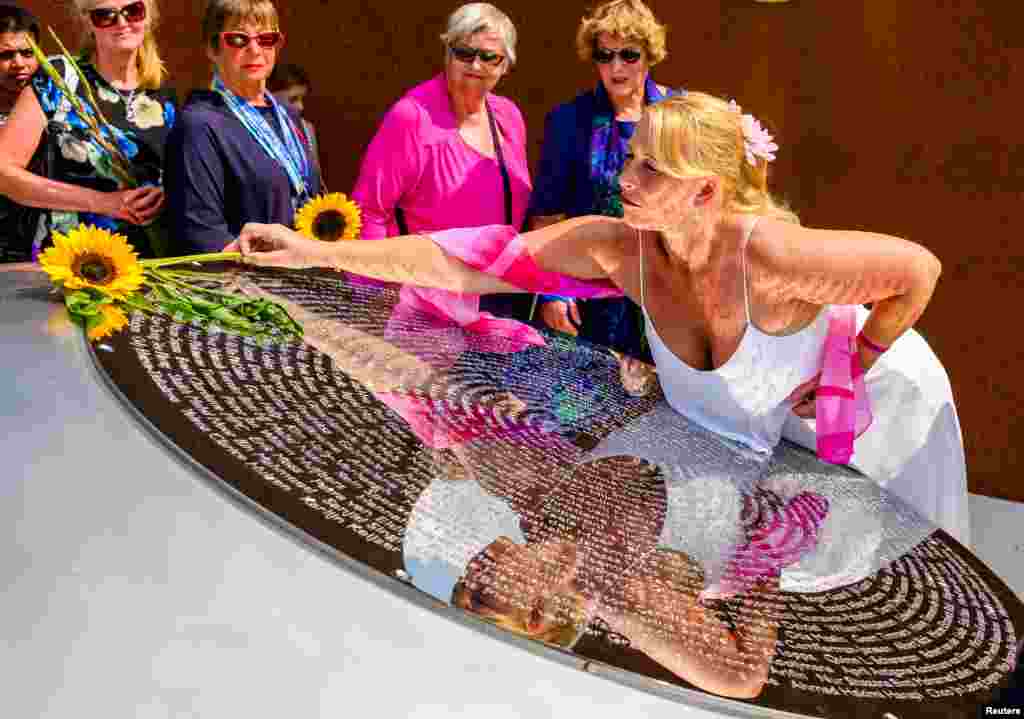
[757,141]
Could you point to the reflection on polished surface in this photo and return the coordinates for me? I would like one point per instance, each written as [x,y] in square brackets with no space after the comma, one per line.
[518,486]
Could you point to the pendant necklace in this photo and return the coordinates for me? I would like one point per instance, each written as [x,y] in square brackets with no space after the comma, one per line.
[129,103]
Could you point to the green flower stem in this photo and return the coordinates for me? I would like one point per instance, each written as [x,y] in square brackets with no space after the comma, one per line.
[207,257]
[119,163]
[170,278]
[81,77]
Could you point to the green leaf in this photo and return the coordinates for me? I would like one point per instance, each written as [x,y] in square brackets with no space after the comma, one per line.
[92,322]
[86,303]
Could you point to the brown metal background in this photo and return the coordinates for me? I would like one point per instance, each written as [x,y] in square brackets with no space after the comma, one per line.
[899,115]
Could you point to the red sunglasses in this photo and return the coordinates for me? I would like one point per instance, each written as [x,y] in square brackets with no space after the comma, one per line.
[241,40]
[104,17]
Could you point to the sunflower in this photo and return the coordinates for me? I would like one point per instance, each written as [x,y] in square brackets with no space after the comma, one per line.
[93,258]
[110,320]
[329,217]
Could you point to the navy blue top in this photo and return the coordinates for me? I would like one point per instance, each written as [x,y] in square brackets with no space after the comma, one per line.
[218,178]
[562,185]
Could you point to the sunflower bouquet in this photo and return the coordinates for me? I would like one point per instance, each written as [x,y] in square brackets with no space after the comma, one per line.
[103,280]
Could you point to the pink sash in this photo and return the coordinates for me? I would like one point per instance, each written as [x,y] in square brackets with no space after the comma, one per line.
[842,410]
[498,250]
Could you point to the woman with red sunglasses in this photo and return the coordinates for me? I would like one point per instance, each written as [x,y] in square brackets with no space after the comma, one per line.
[238,154]
[124,73]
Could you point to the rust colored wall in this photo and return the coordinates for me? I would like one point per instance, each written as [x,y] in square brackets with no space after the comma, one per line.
[899,116]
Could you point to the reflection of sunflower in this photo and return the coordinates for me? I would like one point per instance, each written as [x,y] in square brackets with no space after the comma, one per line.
[111,320]
[329,217]
[89,257]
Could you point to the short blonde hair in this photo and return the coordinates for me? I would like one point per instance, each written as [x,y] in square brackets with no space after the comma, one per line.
[476,17]
[630,20]
[152,70]
[222,14]
[697,134]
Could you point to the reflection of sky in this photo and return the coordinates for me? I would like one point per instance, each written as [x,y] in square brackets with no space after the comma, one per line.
[452,522]
[707,478]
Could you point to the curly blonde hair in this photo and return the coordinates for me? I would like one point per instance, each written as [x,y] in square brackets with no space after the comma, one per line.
[630,20]
[697,134]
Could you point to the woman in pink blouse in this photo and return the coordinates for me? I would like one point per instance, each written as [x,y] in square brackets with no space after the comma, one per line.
[451,153]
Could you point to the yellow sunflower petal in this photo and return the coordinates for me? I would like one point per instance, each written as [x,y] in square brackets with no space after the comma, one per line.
[113,320]
[329,217]
[91,257]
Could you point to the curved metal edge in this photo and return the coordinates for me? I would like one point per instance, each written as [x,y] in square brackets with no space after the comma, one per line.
[632,680]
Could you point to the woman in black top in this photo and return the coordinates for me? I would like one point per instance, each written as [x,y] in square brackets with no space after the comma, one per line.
[121,63]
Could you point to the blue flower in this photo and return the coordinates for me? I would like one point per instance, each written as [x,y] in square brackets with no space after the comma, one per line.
[49,94]
[124,142]
[74,120]
[169,113]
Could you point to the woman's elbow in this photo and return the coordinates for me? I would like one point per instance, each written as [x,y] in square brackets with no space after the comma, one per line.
[928,270]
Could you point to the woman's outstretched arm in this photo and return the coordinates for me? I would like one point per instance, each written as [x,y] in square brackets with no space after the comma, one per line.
[580,249]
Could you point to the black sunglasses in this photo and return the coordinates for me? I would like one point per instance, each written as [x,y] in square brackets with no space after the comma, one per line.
[468,54]
[8,55]
[604,56]
[104,17]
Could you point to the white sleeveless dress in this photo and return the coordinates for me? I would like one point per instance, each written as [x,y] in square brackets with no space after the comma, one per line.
[913,448]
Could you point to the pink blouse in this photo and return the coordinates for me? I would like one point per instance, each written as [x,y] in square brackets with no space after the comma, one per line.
[418,161]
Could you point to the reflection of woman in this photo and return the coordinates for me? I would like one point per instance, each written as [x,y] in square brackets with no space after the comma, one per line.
[516,528]
[238,155]
[585,146]
[735,295]
[587,555]
[123,68]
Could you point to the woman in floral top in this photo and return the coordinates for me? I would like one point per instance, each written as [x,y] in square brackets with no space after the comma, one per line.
[121,63]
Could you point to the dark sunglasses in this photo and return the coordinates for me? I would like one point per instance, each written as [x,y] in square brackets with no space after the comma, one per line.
[604,56]
[8,55]
[468,54]
[104,17]
[240,40]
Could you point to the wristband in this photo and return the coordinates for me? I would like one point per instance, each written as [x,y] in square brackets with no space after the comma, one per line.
[876,348]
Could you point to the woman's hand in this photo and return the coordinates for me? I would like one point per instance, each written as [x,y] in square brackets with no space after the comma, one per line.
[277,246]
[638,378]
[138,206]
[803,398]
[561,316]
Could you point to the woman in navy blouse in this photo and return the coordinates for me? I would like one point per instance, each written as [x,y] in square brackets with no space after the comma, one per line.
[237,155]
[585,144]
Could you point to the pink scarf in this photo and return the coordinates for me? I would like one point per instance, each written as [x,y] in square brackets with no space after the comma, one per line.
[842,411]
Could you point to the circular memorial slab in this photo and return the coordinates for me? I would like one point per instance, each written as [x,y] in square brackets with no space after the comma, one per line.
[520,485]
